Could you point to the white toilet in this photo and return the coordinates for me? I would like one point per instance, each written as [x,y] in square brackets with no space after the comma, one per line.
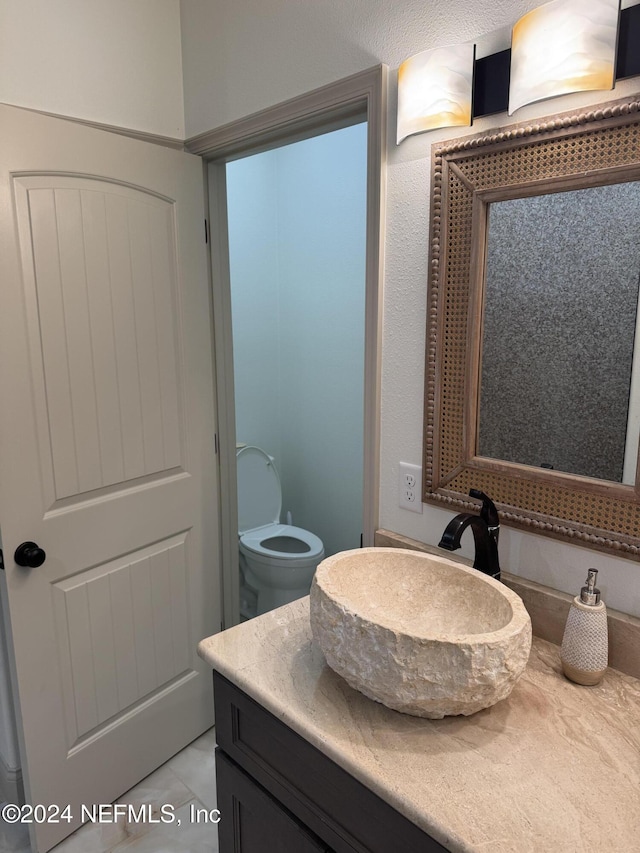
[277,560]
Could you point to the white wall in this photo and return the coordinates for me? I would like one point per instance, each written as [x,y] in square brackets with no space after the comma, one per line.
[244,55]
[297,248]
[112,61]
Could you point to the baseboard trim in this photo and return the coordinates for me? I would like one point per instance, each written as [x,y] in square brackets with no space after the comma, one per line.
[11,785]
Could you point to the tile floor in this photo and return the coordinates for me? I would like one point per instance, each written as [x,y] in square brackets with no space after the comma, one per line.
[186,781]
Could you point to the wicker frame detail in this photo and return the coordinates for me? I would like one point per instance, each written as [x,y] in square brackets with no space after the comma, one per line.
[567,151]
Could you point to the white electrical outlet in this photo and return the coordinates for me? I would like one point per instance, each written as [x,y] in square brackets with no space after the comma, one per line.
[409,485]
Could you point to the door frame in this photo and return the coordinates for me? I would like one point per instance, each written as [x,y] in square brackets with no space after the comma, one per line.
[360,97]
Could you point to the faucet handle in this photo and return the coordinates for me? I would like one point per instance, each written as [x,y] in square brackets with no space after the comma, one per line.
[488,513]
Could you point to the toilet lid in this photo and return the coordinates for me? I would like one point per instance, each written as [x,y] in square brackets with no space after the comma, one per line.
[259,492]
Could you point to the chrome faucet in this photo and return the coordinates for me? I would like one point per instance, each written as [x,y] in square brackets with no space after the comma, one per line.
[486,530]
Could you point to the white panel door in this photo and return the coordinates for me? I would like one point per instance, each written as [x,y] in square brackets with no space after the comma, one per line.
[106,457]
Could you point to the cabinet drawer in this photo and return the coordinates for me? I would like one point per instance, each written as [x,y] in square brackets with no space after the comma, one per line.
[252,821]
[341,811]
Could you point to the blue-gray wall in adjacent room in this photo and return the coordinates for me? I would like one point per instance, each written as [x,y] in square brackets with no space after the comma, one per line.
[297,237]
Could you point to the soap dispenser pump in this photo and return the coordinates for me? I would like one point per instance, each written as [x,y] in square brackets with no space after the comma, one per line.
[585,646]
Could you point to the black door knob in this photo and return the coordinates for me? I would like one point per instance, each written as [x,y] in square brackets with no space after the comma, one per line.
[28,554]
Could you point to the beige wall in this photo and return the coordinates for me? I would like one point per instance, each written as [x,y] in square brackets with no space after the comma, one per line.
[112,61]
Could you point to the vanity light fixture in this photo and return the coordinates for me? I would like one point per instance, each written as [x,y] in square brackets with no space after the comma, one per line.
[564,46]
[435,90]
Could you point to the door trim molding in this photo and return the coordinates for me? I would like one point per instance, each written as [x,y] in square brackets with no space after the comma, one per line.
[361,97]
[328,108]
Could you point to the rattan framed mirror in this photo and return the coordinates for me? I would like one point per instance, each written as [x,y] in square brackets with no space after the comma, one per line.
[567,153]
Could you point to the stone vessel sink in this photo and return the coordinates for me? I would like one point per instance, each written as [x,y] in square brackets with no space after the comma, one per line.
[422,634]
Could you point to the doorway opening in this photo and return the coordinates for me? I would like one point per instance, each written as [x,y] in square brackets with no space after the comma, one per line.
[297,260]
[356,100]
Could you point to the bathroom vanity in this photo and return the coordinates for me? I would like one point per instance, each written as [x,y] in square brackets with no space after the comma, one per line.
[306,763]
[273,784]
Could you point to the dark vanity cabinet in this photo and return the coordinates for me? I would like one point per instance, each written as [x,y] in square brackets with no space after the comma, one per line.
[279,793]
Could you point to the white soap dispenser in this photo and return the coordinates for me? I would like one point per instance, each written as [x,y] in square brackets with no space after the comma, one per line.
[585,644]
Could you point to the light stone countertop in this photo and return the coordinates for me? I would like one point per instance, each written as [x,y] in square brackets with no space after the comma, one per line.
[554,767]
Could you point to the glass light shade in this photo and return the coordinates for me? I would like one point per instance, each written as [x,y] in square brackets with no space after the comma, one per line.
[564,46]
[435,90]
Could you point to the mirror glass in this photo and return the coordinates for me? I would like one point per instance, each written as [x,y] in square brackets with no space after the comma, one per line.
[559,377]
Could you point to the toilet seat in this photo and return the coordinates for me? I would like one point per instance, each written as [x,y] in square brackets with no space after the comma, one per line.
[277,561]
[303,546]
